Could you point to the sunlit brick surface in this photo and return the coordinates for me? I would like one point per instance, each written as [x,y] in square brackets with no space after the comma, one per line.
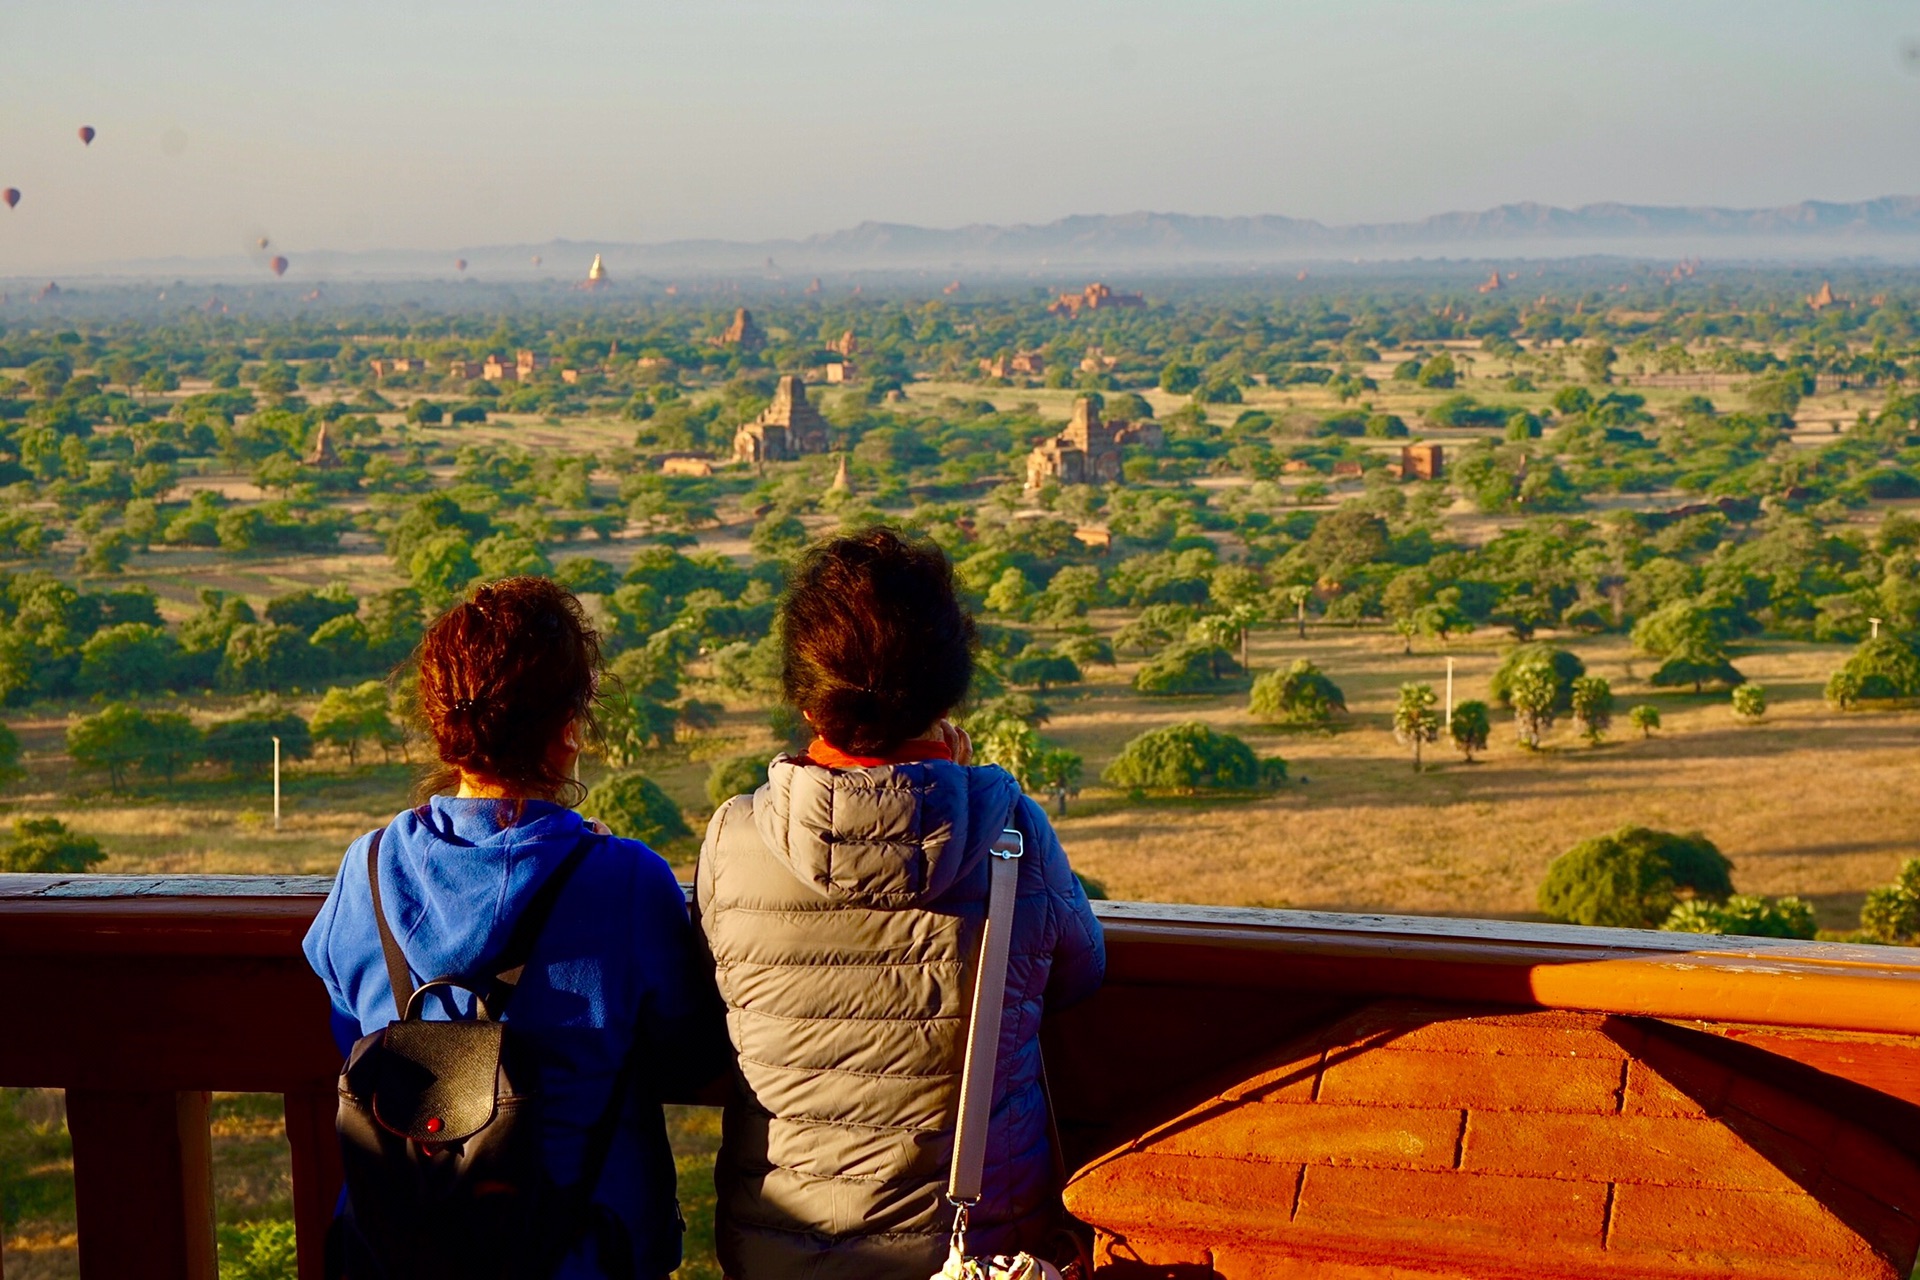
[1411,1141]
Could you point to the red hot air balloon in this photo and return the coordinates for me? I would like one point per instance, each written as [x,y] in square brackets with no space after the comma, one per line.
[459,264]
[279,265]
[11,195]
[87,134]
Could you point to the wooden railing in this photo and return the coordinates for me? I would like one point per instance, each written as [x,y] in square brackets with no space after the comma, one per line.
[138,996]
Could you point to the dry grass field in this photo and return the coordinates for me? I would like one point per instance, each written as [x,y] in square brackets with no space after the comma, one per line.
[1810,801]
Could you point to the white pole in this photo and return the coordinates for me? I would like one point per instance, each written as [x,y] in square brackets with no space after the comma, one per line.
[276,782]
[1449,690]
[1876,627]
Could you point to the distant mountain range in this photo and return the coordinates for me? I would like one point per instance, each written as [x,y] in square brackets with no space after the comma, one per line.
[1886,228]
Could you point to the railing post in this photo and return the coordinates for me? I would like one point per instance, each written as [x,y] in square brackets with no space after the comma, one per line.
[316,1173]
[143,1184]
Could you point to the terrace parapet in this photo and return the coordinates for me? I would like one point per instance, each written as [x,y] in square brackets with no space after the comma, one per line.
[1254,1093]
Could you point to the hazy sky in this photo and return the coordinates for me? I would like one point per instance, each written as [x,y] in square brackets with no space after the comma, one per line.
[431,124]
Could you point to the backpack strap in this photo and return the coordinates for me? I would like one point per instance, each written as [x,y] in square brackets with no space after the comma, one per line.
[983,1030]
[399,976]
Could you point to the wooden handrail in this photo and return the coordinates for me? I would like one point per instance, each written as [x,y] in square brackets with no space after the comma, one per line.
[140,994]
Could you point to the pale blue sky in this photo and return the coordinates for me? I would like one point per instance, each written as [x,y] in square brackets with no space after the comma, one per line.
[431,124]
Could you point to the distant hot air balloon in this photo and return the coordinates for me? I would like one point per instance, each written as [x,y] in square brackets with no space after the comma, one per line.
[459,264]
[87,134]
[536,259]
[279,266]
[263,242]
[11,195]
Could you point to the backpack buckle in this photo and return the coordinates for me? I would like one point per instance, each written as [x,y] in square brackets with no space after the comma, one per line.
[1010,845]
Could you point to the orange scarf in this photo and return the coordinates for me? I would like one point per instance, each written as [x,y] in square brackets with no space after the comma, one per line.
[822,752]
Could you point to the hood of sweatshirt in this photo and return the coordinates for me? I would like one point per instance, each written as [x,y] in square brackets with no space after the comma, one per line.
[891,836]
[454,881]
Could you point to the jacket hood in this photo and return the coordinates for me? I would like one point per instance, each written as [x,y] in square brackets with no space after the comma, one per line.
[454,881]
[897,835]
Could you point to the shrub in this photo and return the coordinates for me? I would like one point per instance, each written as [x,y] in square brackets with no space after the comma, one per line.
[1470,727]
[735,776]
[1645,718]
[1188,666]
[634,806]
[1302,694]
[1184,758]
[45,846]
[1633,877]
[1883,668]
[1086,650]
[1746,915]
[1892,912]
[261,1250]
[1566,666]
[1750,702]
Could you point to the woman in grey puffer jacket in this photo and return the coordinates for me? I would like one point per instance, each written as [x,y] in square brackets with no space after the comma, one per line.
[843,904]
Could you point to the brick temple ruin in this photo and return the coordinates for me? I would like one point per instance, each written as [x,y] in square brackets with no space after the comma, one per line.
[790,428]
[1093,298]
[1089,450]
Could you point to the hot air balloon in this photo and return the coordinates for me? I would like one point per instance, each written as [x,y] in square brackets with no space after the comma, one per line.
[11,195]
[279,266]
[536,259]
[459,264]
[86,134]
[262,242]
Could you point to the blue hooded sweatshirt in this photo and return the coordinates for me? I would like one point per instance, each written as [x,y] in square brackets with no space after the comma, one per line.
[616,961]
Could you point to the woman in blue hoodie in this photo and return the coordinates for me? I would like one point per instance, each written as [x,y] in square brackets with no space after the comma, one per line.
[507,684]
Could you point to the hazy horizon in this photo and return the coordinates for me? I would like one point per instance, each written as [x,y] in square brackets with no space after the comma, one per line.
[432,126]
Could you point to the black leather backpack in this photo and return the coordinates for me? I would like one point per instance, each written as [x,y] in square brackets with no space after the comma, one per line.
[440,1133]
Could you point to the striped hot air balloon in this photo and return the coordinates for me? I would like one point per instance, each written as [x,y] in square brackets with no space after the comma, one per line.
[87,134]
[11,196]
[279,265]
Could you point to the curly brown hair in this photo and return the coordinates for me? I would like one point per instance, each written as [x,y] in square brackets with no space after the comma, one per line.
[876,645]
[501,676]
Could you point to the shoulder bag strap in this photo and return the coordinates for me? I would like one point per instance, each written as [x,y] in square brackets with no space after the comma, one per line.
[399,976]
[983,1031]
[511,963]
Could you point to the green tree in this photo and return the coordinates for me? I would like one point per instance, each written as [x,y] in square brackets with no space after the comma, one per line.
[107,554]
[1470,727]
[1086,650]
[1883,668]
[1744,915]
[1009,594]
[1184,758]
[1179,378]
[1011,743]
[1596,361]
[441,567]
[1696,668]
[128,660]
[1750,702]
[510,555]
[1679,626]
[11,770]
[266,656]
[1632,877]
[346,717]
[245,744]
[1057,771]
[1043,669]
[735,776]
[121,738]
[1533,694]
[1592,707]
[1440,372]
[634,806]
[45,846]
[1645,718]
[1416,718]
[1302,694]
[778,534]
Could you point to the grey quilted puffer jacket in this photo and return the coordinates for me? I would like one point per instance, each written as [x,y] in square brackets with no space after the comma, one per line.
[842,908]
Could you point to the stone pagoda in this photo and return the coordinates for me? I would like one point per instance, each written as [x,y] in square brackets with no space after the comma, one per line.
[790,428]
